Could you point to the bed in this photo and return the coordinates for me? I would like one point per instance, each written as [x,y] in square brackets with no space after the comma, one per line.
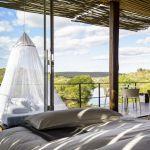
[121,133]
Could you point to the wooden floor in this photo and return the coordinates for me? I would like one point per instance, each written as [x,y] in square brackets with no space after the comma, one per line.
[133,112]
[130,111]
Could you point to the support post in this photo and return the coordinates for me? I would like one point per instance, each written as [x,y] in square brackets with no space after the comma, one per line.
[80,96]
[45,64]
[99,94]
[52,55]
[114,53]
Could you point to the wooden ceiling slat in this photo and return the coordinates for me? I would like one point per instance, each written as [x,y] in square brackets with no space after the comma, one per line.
[134,15]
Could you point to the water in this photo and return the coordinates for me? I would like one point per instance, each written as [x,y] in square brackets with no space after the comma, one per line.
[95,100]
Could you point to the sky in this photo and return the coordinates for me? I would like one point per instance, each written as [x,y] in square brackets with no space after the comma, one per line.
[78,46]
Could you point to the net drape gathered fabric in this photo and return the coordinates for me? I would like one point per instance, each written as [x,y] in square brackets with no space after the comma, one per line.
[22,88]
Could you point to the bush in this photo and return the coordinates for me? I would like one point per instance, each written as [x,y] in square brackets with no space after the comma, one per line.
[70,92]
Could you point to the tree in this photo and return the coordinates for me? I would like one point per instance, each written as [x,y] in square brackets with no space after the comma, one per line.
[70,91]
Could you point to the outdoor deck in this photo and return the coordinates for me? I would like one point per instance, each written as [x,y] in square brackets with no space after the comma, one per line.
[145,110]
[99,95]
[130,110]
[133,112]
[115,14]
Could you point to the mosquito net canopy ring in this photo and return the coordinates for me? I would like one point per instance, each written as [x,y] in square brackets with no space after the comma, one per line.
[22,88]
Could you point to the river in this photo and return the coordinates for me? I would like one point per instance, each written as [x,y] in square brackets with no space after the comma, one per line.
[95,100]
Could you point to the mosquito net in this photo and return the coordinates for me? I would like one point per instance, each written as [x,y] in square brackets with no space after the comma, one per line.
[22,89]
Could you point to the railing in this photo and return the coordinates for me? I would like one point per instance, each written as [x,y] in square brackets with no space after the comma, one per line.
[99,86]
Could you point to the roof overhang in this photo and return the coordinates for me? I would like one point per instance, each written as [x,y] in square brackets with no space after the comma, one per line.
[134,14]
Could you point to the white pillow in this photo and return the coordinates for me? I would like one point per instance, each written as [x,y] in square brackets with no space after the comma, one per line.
[71,118]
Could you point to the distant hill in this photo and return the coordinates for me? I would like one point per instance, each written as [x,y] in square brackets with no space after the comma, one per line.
[140,74]
[67,74]
[72,74]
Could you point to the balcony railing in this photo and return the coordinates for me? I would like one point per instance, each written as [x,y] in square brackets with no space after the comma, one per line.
[104,86]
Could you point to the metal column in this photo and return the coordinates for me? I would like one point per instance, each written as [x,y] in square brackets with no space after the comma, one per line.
[52,54]
[45,64]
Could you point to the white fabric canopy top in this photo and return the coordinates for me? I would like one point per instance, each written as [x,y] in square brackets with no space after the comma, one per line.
[22,89]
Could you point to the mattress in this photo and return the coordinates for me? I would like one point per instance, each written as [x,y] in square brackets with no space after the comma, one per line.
[123,134]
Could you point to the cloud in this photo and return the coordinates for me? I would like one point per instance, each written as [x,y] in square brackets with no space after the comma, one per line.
[79,38]
[7,42]
[5,26]
[73,44]
[63,26]
[134,51]
[65,49]
[76,42]
[74,29]
[34,20]
[70,36]
[126,53]
[124,33]
[144,41]
[147,31]
[83,41]
[75,39]
[101,57]
[135,61]
[73,53]
[6,12]
[30,19]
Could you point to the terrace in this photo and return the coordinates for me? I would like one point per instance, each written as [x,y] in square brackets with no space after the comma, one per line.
[100,97]
[115,14]
[80,129]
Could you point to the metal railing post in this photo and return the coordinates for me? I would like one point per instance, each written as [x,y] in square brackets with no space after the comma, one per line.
[80,101]
[135,85]
[99,94]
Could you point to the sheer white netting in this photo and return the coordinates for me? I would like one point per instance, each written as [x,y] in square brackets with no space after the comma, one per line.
[22,89]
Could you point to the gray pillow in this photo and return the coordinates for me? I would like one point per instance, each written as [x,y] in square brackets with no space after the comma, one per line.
[71,118]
